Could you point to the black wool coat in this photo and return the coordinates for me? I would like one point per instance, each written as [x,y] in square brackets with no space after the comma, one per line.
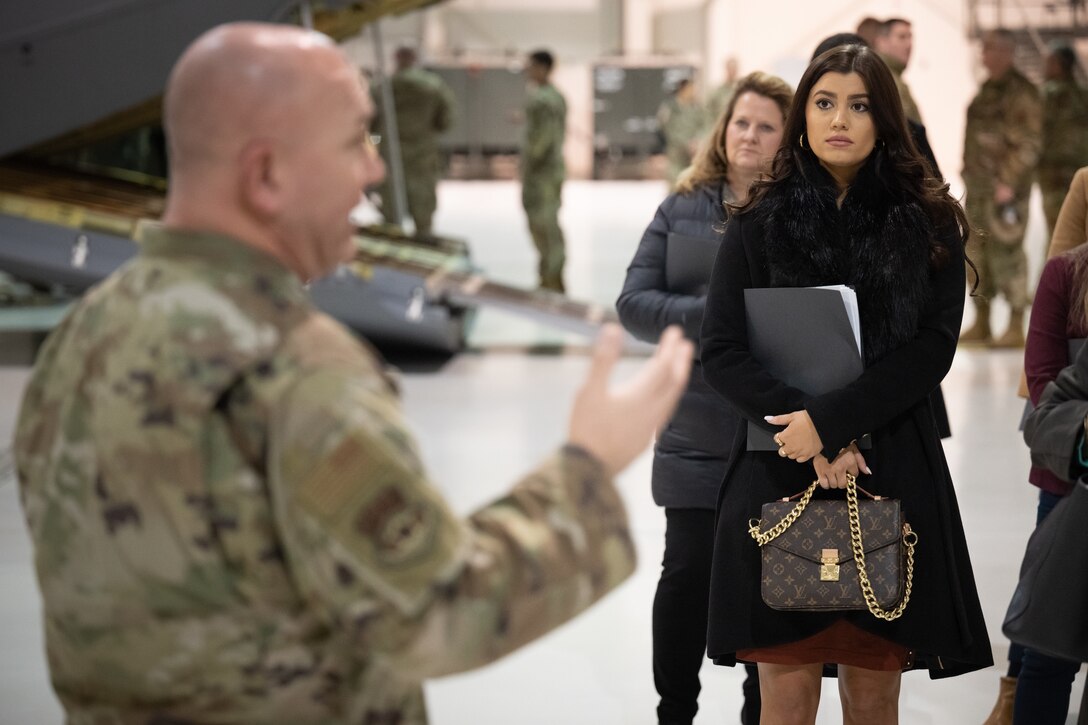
[692,449]
[911,311]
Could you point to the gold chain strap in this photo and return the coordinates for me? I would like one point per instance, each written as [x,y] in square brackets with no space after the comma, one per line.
[909,540]
[785,523]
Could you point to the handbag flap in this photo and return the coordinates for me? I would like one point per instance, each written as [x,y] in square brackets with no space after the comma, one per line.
[825,524]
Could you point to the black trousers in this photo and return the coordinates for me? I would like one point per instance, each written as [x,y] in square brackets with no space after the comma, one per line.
[680,619]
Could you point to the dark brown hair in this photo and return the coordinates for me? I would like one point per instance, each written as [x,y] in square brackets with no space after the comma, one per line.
[895,160]
[887,25]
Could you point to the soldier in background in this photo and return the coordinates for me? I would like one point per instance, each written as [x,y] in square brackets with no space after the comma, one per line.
[543,169]
[1001,150]
[719,98]
[424,110]
[869,29]
[231,520]
[894,43]
[683,121]
[1065,131]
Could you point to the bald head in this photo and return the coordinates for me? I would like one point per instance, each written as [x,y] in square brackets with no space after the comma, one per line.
[238,81]
[267,131]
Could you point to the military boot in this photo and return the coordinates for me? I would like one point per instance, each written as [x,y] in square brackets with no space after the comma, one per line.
[979,334]
[1014,336]
[1006,696]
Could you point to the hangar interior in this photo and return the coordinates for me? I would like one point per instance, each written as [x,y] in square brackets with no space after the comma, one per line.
[487,377]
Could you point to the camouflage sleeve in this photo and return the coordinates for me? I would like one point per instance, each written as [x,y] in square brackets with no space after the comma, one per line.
[542,133]
[446,112]
[376,550]
[1023,138]
[37,411]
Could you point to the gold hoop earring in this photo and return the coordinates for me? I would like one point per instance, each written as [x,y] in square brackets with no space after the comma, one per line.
[801,141]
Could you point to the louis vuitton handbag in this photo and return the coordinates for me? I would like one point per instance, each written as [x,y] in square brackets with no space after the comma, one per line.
[829,555]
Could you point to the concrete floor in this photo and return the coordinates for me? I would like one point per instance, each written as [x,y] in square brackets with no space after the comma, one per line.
[487,415]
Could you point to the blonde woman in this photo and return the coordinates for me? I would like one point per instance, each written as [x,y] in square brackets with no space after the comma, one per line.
[692,451]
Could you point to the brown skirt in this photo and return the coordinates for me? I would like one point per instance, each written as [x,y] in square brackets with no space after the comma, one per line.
[842,643]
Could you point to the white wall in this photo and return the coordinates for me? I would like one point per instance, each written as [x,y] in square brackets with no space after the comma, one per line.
[776,36]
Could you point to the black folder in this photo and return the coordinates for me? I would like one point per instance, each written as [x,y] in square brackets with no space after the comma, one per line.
[802,336]
[689,261]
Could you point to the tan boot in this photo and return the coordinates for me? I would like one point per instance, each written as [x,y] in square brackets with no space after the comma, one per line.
[1014,336]
[1006,695]
[979,334]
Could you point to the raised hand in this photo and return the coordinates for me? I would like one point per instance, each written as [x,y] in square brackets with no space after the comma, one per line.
[617,424]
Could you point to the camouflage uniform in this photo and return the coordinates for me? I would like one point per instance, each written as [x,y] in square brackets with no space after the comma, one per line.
[424,108]
[232,522]
[542,174]
[1065,142]
[682,124]
[1004,123]
[910,108]
[718,101]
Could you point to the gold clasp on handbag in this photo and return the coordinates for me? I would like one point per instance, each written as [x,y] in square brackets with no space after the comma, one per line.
[829,565]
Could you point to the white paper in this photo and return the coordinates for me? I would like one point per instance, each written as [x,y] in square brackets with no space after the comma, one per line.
[850,300]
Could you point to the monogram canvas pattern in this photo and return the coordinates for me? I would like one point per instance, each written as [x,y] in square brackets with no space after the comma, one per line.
[792,561]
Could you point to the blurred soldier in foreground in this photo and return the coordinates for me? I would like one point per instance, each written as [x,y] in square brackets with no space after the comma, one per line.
[231,520]
[682,120]
[424,110]
[543,168]
[1065,131]
[1000,152]
[894,43]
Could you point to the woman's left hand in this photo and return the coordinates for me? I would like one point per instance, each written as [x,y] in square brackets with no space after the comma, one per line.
[799,441]
[833,474]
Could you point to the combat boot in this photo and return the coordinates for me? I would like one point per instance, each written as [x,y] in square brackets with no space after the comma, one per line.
[553,282]
[1006,696]
[979,333]
[1014,336]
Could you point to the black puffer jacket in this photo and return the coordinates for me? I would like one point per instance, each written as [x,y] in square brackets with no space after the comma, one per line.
[692,450]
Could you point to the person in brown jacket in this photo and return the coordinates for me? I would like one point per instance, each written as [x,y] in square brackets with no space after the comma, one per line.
[1071,228]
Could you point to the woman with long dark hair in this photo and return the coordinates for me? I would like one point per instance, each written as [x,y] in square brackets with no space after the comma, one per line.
[849,201]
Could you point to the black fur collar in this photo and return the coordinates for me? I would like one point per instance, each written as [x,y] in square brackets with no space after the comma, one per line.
[878,243]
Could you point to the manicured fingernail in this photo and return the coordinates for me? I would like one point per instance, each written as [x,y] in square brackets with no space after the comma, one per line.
[768,418]
[869,470]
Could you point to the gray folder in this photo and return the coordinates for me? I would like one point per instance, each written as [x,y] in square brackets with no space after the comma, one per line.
[802,336]
[689,261]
